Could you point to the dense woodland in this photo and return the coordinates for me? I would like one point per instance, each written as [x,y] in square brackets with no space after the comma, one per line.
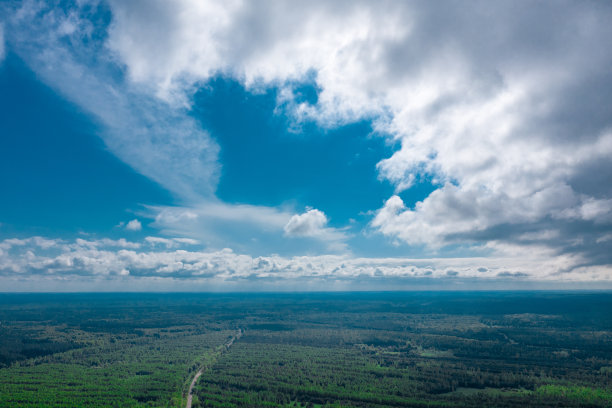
[547,349]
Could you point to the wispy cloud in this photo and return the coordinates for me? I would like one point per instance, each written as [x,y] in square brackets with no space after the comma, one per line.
[249,228]
[2,44]
[171,242]
[160,141]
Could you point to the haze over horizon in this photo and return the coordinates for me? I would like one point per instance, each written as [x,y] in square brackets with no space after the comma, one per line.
[344,145]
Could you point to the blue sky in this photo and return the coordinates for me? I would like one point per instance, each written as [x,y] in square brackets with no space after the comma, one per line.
[267,163]
[196,145]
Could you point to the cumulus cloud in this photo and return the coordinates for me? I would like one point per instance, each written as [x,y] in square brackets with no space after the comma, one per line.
[133,225]
[313,224]
[39,242]
[309,224]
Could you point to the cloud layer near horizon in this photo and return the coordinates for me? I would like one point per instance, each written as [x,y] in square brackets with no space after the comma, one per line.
[179,259]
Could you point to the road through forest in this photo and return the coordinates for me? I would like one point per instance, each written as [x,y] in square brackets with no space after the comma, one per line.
[227,345]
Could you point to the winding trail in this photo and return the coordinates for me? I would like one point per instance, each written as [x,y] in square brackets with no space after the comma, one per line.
[226,346]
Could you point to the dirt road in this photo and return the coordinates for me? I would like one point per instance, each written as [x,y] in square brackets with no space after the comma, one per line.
[193,383]
[227,345]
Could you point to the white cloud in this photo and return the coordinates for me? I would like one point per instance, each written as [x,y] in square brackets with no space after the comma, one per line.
[171,242]
[186,241]
[133,225]
[106,242]
[598,210]
[39,242]
[455,211]
[217,224]
[168,243]
[313,224]
[2,43]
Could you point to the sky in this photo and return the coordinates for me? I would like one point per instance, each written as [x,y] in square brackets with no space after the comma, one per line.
[197,145]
